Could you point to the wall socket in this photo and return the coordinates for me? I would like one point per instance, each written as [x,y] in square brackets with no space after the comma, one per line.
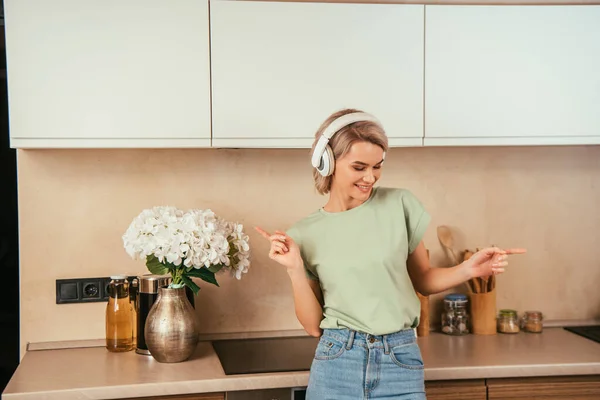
[85,290]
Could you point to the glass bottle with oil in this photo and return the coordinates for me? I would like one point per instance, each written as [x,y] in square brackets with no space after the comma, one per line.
[119,318]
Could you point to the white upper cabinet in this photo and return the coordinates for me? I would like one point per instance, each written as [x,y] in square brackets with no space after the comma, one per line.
[512,75]
[108,73]
[280,69]
[142,73]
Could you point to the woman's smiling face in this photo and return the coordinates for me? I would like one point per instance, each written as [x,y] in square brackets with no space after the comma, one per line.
[357,171]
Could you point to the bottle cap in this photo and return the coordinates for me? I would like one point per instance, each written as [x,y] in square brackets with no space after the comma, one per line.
[456,297]
[533,314]
[508,313]
[150,283]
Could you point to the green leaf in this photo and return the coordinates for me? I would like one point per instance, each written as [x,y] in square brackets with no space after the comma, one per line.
[203,274]
[155,266]
[215,268]
[191,284]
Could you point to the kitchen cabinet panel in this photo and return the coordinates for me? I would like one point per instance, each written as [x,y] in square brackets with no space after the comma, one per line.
[545,388]
[456,390]
[262,394]
[279,69]
[95,73]
[512,75]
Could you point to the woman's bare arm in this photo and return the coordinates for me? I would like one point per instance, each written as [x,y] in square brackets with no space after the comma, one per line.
[427,280]
[308,299]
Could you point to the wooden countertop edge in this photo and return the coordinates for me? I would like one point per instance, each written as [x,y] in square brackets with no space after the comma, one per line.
[289,380]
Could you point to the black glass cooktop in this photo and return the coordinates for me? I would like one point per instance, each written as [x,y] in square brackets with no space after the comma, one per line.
[591,332]
[281,354]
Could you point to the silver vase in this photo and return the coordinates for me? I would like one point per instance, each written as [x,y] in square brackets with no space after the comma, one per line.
[171,329]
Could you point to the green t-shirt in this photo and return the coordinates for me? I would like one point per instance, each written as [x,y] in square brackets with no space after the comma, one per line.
[359,257]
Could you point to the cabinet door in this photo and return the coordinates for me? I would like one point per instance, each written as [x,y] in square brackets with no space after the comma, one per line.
[512,75]
[280,69]
[456,390]
[108,73]
[545,388]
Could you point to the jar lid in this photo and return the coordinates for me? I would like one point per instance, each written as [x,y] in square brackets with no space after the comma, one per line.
[506,312]
[456,297]
[150,283]
[114,277]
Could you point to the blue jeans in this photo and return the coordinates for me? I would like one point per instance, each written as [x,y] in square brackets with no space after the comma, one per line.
[350,365]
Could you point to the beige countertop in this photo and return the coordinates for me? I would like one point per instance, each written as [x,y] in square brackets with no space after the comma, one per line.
[94,373]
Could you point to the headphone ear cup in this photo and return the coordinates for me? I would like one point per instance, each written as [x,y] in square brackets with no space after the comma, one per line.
[328,162]
[323,165]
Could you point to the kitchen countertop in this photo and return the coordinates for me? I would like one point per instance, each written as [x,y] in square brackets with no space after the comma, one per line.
[94,373]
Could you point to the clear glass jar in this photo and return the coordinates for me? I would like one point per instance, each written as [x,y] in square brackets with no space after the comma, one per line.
[508,322]
[119,318]
[532,321]
[455,318]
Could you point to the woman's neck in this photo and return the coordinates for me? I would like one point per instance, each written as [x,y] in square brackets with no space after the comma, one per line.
[339,201]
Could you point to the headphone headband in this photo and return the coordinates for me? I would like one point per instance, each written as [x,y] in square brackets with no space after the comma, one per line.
[333,128]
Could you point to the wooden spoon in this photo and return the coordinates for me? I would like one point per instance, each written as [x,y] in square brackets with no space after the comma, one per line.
[446,239]
[484,281]
[473,283]
[492,283]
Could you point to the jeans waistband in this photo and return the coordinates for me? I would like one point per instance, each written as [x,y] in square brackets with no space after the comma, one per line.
[350,337]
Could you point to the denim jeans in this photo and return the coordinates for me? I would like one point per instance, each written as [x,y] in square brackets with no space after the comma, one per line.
[350,365]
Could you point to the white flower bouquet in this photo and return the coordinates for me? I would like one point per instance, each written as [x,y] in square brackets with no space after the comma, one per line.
[194,243]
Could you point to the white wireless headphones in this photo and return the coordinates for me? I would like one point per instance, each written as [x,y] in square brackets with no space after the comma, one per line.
[322,158]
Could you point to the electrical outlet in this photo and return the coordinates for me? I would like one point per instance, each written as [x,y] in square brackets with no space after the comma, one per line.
[85,290]
[91,289]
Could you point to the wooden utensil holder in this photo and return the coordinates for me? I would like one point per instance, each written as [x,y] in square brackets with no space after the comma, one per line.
[483,313]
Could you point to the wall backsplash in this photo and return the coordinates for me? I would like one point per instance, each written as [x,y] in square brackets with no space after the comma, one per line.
[74,206]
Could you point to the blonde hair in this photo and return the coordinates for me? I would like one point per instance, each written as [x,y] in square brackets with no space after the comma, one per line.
[342,141]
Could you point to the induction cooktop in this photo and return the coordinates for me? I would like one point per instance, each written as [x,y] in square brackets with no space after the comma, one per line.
[591,332]
[274,354]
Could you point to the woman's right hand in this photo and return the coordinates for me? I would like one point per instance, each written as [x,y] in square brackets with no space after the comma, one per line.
[283,249]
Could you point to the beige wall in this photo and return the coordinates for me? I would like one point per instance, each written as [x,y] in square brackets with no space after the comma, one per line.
[74,206]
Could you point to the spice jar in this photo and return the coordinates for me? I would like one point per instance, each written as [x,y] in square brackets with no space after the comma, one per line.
[532,321]
[455,318]
[508,322]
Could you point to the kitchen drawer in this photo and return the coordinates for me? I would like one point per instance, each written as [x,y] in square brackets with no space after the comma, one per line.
[545,388]
[265,394]
[473,389]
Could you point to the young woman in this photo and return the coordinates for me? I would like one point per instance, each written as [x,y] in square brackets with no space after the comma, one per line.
[355,263]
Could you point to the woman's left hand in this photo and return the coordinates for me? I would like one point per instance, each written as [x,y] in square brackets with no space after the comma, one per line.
[490,261]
